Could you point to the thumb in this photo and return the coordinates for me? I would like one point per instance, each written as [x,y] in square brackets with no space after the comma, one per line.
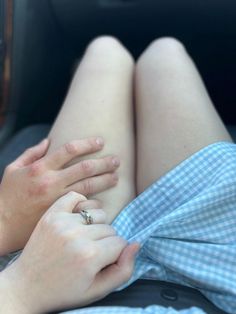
[116,274]
[32,154]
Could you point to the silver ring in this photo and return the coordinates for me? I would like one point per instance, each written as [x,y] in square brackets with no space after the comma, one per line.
[87,217]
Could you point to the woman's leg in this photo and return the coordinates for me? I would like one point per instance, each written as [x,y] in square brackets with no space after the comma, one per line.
[99,103]
[175,116]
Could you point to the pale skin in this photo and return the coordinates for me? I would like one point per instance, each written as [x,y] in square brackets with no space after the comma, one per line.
[36,179]
[174,116]
[90,260]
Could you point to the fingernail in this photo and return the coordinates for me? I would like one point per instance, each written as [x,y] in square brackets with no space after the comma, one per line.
[138,247]
[100,141]
[116,161]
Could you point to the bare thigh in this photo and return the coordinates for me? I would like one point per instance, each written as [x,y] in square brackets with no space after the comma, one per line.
[175,115]
[99,103]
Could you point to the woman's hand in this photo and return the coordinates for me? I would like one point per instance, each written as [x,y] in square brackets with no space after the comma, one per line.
[35,180]
[66,263]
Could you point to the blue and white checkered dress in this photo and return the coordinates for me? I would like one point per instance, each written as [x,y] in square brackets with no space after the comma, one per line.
[186,223]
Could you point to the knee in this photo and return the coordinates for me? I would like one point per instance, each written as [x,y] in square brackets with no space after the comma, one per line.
[162,48]
[110,46]
[166,45]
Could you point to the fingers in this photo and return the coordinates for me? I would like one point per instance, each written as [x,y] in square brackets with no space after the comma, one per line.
[94,185]
[98,216]
[116,274]
[102,231]
[67,203]
[98,231]
[89,204]
[89,168]
[71,150]
[32,154]
[109,250]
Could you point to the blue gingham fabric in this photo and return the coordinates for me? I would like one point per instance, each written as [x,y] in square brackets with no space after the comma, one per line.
[186,224]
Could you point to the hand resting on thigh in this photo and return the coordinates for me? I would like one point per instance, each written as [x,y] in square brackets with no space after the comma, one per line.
[35,180]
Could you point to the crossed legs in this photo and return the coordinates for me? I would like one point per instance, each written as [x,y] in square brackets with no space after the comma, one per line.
[174,114]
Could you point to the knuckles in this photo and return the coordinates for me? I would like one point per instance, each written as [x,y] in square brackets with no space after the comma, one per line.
[74,147]
[87,167]
[87,187]
[87,253]
[86,257]
[71,148]
[35,169]
[42,186]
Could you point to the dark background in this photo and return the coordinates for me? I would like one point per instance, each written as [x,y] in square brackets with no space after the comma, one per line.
[50,35]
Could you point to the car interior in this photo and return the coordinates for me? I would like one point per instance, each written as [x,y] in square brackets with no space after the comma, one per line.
[42,41]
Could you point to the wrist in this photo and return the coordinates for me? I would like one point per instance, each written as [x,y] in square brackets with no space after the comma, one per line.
[3,250]
[10,240]
[14,296]
[4,230]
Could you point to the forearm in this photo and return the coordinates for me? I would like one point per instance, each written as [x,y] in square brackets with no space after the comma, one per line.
[11,237]
[3,231]
[11,300]
[8,239]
